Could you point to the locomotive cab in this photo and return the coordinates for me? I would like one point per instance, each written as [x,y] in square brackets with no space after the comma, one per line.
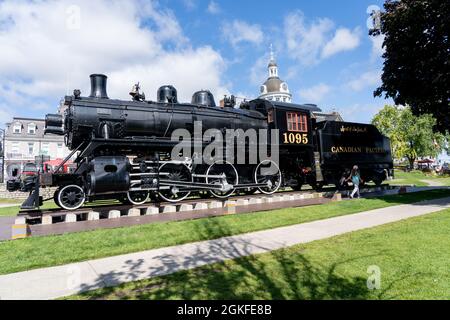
[295,128]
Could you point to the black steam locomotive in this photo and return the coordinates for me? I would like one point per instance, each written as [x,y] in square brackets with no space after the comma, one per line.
[125,149]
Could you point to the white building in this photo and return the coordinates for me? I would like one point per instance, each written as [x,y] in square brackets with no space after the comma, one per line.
[274,88]
[25,139]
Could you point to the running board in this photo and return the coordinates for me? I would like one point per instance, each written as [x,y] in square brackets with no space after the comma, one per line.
[206,186]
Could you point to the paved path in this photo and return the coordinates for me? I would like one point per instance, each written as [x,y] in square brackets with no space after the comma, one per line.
[66,280]
[433,183]
[8,205]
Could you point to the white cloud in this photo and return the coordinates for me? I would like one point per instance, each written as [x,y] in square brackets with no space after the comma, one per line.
[316,93]
[47,50]
[238,31]
[5,115]
[213,7]
[305,42]
[370,78]
[361,113]
[258,72]
[343,40]
[310,42]
[200,72]
[377,46]
[190,4]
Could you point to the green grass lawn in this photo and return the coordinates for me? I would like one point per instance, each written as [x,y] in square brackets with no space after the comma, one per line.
[26,254]
[412,256]
[444,181]
[9,211]
[13,211]
[417,178]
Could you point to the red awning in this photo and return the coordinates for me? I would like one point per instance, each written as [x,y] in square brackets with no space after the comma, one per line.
[56,162]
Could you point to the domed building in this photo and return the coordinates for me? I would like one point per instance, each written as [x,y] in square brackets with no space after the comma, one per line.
[274,88]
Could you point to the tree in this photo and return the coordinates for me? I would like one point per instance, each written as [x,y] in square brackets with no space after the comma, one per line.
[416,69]
[411,136]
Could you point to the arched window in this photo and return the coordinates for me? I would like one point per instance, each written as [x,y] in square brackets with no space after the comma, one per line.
[31,128]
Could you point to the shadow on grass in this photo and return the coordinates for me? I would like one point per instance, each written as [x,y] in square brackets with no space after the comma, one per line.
[199,271]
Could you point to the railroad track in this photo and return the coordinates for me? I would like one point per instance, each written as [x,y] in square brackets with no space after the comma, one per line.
[57,221]
[57,212]
[107,207]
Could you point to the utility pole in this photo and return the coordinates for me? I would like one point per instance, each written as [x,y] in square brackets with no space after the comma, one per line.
[3,155]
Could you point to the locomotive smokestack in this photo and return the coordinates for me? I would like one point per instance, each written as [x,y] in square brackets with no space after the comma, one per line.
[98,86]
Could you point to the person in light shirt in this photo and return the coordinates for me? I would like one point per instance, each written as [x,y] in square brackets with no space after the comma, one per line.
[355,178]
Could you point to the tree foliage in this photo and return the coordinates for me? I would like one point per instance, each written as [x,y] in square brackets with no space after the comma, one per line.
[416,70]
[411,136]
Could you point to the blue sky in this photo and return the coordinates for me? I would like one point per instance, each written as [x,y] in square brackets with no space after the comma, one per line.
[347,78]
[322,47]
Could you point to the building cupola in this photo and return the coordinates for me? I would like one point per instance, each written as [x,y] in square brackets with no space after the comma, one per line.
[274,88]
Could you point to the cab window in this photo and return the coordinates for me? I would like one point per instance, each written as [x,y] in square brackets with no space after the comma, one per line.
[270,116]
[297,122]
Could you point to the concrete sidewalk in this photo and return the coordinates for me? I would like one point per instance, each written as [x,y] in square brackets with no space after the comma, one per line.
[9,205]
[70,279]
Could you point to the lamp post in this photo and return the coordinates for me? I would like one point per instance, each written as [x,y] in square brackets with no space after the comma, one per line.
[3,155]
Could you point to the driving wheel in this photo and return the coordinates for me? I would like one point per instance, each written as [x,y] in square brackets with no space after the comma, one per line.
[176,172]
[268,172]
[229,178]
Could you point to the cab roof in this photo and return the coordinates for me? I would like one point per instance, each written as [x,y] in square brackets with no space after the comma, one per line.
[283,105]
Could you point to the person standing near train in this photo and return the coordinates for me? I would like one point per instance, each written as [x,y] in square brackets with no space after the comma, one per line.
[355,178]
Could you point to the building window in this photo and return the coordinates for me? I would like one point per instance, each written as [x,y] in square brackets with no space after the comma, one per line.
[270,116]
[297,122]
[31,128]
[44,149]
[59,152]
[15,147]
[17,128]
[30,148]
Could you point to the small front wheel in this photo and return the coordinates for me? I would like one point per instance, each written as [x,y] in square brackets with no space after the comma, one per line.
[137,197]
[71,197]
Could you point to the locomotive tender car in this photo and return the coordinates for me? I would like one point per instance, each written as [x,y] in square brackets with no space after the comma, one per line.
[123,148]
